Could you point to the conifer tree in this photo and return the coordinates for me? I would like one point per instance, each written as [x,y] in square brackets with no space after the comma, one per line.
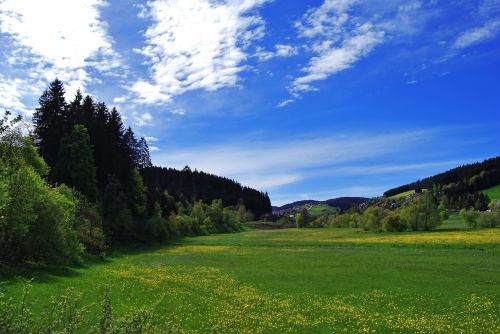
[50,121]
[76,163]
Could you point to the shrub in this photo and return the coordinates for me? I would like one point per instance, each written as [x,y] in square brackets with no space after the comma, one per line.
[422,214]
[373,217]
[470,217]
[321,221]
[489,219]
[393,223]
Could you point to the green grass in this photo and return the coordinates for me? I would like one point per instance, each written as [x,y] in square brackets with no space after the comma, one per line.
[322,210]
[300,281]
[493,192]
[405,194]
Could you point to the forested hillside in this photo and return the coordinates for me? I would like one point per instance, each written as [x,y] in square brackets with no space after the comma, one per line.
[192,186]
[470,178]
[460,186]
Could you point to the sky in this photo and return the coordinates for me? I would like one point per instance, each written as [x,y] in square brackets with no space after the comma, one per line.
[304,99]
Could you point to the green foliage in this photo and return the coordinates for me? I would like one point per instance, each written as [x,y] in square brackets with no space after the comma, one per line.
[393,223]
[118,223]
[32,158]
[321,221]
[489,219]
[470,217]
[75,166]
[422,214]
[38,222]
[373,218]
[303,218]
[493,192]
[137,194]
[88,221]
[66,313]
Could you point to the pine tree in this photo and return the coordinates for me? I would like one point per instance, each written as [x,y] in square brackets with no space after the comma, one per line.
[50,121]
[144,160]
[76,163]
[75,112]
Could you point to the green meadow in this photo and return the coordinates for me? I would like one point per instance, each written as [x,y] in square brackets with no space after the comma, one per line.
[296,281]
[493,192]
[322,210]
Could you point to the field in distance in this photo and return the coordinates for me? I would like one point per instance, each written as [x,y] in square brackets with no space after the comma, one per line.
[301,281]
[493,192]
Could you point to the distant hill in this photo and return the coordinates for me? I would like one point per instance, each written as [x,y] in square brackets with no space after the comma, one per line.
[467,178]
[343,203]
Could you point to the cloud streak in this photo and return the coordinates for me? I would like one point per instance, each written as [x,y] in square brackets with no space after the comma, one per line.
[271,164]
[337,40]
[477,35]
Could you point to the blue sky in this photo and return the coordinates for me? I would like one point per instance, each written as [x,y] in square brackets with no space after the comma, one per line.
[303,99]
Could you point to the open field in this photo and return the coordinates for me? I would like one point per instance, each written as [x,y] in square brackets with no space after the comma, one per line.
[322,210]
[301,281]
[493,192]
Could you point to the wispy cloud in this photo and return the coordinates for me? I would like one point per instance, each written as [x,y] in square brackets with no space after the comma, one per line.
[337,40]
[12,93]
[270,164]
[280,50]
[195,44]
[51,38]
[477,35]
[142,119]
[284,103]
[332,60]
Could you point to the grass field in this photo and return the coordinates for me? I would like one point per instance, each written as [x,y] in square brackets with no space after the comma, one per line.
[302,281]
[493,192]
[322,210]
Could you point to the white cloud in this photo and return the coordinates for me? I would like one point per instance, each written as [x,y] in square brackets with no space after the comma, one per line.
[270,164]
[154,149]
[150,139]
[13,91]
[281,50]
[337,40]
[196,44]
[56,38]
[332,60]
[284,103]
[120,99]
[142,119]
[477,35]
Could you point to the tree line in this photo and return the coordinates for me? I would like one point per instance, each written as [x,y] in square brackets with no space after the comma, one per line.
[420,212]
[191,186]
[76,184]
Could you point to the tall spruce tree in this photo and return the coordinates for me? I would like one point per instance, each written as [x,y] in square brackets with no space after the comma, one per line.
[76,163]
[50,121]
[144,160]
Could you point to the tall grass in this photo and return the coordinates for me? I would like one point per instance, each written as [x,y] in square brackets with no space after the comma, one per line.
[66,314]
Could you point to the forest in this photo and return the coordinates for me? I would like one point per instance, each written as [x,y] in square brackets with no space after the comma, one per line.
[79,181]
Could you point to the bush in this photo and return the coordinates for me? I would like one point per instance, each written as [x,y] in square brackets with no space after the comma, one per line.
[422,214]
[39,222]
[319,222]
[489,219]
[393,223]
[373,217]
[470,217]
